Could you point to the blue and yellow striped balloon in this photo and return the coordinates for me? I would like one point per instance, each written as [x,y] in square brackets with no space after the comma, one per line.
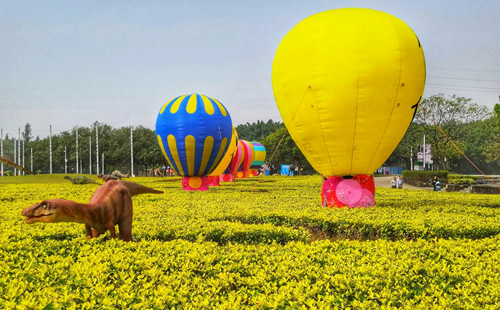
[193,132]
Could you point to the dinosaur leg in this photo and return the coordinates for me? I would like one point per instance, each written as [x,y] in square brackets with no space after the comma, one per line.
[95,233]
[125,224]
[125,230]
[88,229]
[112,230]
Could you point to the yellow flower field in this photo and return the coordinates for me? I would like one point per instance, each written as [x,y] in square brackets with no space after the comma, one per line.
[262,243]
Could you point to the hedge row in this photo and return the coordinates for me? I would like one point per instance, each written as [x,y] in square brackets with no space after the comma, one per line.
[461,179]
[424,178]
[256,244]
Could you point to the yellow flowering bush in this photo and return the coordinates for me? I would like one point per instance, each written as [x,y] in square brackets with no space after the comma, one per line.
[261,243]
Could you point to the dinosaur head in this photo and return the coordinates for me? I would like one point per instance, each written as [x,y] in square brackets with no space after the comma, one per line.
[45,211]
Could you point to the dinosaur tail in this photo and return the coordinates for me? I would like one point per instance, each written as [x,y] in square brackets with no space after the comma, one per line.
[5,160]
[137,189]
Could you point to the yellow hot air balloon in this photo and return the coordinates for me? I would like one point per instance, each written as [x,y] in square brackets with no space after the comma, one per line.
[348,83]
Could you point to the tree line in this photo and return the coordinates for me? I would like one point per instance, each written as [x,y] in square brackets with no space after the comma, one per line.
[473,129]
[114,149]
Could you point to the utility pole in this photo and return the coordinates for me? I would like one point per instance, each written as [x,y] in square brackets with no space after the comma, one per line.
[19,162]
[423,149]
[1,150]
[132,151]
[50,148]
[31,160]
[66,162]
[411,160]
[15,155]
[97,146]
[76,134]
[90,154]
[23,156]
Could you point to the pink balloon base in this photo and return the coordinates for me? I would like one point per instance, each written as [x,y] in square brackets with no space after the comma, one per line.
[195,183]
[213,180]
[241,174]
[227,178]
[358,191]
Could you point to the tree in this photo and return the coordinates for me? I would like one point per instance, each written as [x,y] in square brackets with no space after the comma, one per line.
[8,147]
[492,150]
[27,133]
[478,135]
[497,113]
[257,131]
[450,115]
[407,148]
[116,150]
[147,153]
[113,143]
[285,151]
[441,111]
[40,155]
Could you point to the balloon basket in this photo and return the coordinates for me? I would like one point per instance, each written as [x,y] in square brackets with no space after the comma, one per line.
[352,192]
[213,180]
[241,174]
[195,183]
[227,178]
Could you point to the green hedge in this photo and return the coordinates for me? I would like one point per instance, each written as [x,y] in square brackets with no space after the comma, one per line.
[423,178]
[256,243]
[462,179]
[441,174]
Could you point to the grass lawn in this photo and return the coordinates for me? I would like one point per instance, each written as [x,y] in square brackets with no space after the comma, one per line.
[258,243]
[41,178]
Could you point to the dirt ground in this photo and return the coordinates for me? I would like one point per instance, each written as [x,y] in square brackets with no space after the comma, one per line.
[386,182]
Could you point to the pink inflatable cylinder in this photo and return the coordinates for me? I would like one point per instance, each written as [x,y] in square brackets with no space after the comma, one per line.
[358,191]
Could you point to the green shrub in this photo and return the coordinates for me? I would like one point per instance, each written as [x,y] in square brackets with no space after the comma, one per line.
[441,174]
[257,243]
[424,178]
[462,179]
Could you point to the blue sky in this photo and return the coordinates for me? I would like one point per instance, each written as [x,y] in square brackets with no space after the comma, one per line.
[64,63]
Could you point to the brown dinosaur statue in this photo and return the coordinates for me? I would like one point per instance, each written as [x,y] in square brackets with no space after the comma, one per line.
[110,205]
[81,179]
[108,177]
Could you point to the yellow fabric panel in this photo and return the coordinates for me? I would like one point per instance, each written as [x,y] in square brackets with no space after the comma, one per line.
[192,104]
[338,81]
[209,107]
[160,142]
[175,104]
[172,145]
[207,151]
[219,155]
[190,143]
[228,156]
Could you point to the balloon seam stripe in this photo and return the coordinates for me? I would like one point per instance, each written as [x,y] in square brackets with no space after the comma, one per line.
[222,148]
[190,146]
[172,144]
[355,123]
[169,160]
[392,111]
[166,104]
[208,145]
[321,127]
